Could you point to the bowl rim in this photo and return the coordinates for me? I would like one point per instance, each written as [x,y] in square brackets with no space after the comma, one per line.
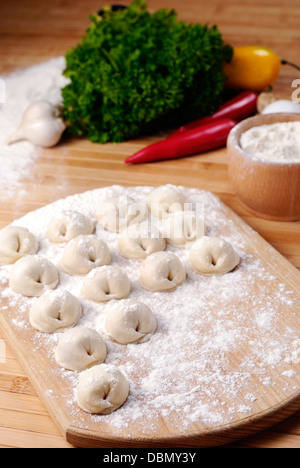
[234,141]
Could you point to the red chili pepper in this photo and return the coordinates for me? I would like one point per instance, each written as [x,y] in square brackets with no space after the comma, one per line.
[240,107]
[203,138]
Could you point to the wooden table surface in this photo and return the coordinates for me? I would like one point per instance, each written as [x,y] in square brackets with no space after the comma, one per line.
[32,32]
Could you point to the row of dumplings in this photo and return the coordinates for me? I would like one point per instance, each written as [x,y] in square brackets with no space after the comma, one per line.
[83,349]
[79,348]
[84,251]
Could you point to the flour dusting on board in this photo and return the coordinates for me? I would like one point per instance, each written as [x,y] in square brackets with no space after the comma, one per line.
[23,87]
[217,336]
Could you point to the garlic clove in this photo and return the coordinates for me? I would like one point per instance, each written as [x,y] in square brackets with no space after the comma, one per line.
[282,105]
[39,110]
[43,132]
[41,125]
[15,137]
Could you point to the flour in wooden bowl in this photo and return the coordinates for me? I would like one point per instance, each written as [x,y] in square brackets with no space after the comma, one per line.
[278,142]
[222,342]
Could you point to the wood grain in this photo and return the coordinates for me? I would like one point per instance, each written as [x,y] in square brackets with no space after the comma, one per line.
[31,33]
[270,403]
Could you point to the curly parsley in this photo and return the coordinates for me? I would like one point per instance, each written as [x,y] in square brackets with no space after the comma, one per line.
[136,72]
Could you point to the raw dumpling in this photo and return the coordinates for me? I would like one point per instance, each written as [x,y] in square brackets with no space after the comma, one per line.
[55,311]
[162,271]
[102,389]
[137,243]
[69,224]
[130,322]
[80,348]
[84,253]
[119,212]
[182,227]
[16,242]
[213,255]
[33,275]
[105,283]
[165,200]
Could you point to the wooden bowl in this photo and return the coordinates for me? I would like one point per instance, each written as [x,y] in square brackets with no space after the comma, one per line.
[269,190]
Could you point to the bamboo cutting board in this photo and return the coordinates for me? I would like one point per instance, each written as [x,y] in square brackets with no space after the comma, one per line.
[248,350]
[78,166]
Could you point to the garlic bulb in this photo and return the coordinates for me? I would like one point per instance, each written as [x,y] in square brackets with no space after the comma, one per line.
[282,105]
[41,125]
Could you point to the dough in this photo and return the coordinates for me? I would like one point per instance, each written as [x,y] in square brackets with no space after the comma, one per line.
[67,225]
[15,242]
[182,227]
[213,255]
[119,212]
[105,283]
[55,311]
[162,271]
[84,253]
[130,322]
[80,348]
[165,200]
[102,389]
[33,275]
[137,243]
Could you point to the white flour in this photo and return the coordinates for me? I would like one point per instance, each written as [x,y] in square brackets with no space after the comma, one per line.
[277,143]
[43,81]
[219,346]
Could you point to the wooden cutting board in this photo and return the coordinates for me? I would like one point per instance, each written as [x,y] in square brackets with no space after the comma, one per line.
[248,353]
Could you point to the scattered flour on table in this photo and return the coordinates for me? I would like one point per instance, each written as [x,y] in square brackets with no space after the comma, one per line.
[217,335]
[43,81]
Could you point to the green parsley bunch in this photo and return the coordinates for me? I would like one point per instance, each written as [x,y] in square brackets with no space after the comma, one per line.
[136,72]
